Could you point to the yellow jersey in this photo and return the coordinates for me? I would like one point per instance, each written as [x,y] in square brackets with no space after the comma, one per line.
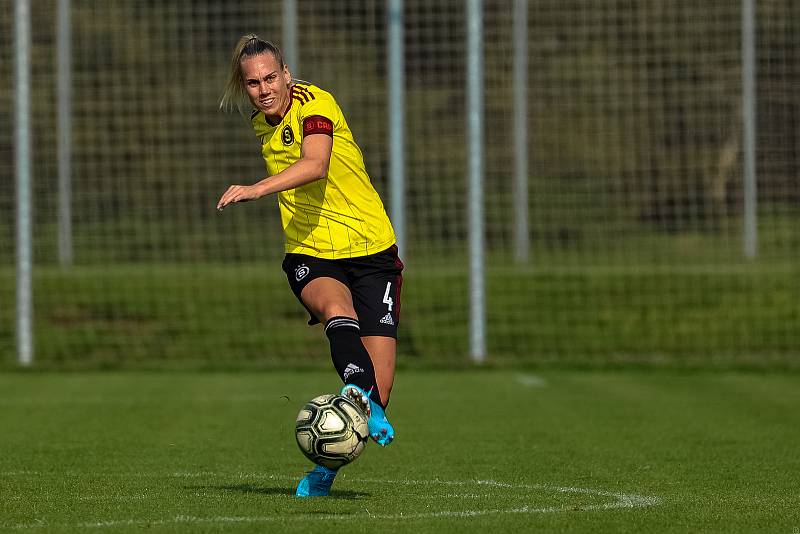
[340,215]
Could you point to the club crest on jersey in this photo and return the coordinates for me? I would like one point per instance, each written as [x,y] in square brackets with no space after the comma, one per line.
[287,135]
[301,272]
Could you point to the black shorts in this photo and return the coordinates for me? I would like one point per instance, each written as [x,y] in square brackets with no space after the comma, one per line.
[374,281]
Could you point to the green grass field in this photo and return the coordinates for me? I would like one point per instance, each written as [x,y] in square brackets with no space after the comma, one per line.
[558,451]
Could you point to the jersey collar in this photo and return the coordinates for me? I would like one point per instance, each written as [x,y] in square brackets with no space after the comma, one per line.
[285,111]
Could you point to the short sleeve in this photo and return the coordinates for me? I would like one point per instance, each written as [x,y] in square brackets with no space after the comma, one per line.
[317,112]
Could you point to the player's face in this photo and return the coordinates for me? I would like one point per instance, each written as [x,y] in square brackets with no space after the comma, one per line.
[267,84]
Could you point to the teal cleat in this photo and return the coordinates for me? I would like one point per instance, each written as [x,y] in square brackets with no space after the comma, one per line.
[317,483]
[380,429]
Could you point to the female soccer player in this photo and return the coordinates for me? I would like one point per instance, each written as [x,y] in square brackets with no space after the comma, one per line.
[341,258]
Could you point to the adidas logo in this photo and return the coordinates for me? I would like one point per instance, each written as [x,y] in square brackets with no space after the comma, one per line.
[350,370]
[387,319]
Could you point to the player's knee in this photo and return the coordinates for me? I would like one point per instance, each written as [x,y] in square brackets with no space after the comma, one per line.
[339,311]
[336,309]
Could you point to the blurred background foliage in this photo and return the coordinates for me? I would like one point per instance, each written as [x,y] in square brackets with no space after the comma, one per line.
[635,160]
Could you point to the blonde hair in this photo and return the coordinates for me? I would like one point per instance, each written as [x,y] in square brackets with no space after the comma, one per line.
[234,96]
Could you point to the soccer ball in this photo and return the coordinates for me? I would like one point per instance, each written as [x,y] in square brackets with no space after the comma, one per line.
[331,431]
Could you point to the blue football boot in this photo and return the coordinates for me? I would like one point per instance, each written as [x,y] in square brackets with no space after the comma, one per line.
[380,429]
[317,483]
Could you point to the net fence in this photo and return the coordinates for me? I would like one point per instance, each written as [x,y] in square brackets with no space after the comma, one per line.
[634,192]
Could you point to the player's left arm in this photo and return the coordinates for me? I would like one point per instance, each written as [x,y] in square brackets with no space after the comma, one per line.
[315,156]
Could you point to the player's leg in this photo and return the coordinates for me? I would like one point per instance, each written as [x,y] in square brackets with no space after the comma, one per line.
[327,297]
[319,287]
[375,283]
[331,301]
[383,353]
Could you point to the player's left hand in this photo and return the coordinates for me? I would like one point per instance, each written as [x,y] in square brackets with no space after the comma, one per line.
[238,193]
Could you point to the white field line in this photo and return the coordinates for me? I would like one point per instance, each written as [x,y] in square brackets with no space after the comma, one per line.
[126,401]
[531,381]
[617,500]
[83,498]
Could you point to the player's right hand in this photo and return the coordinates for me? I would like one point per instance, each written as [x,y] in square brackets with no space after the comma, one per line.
[237,193]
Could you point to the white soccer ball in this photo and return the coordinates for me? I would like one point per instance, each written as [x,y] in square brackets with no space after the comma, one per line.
[331,431]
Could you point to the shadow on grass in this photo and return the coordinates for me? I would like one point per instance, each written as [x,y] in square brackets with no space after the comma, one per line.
[276,490]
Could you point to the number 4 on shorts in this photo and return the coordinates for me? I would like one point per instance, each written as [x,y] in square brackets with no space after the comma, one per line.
[386,298]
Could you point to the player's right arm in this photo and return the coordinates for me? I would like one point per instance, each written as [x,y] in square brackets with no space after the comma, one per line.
[315,156]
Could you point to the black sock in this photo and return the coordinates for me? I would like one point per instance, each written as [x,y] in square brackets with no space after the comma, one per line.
[350,357]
